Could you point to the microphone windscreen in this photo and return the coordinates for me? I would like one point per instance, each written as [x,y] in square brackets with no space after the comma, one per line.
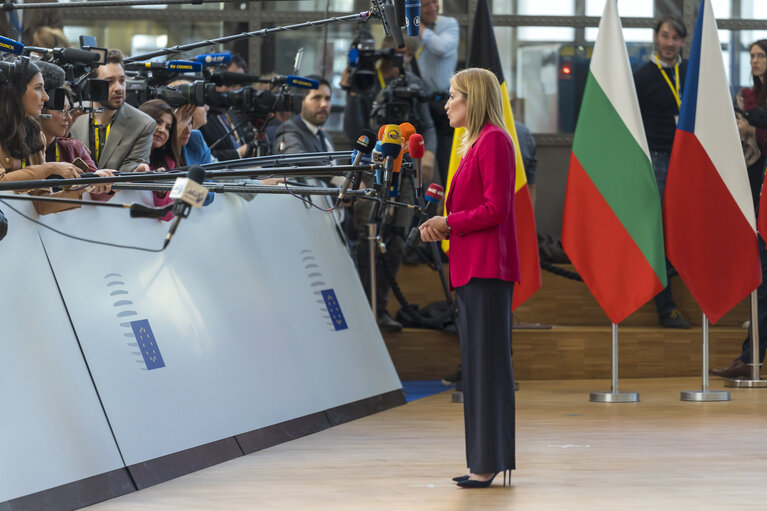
[435,193]
[391,143]
[10,46]
[183,66]
[416,146]
[75,55]
[365,141]
[301,82]
[196,174]
[213,59]
[407,130]
[381,131]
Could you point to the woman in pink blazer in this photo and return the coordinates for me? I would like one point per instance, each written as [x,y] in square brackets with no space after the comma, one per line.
[484,265]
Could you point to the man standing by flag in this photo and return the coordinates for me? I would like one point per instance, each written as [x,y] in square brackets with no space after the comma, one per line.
[659,84]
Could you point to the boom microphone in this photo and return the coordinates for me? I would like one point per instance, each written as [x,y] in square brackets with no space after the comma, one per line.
[433,197]
[413,17]
[189,193]
[175,66]
[417,149]
[10,46]
[67,55]
[389,18]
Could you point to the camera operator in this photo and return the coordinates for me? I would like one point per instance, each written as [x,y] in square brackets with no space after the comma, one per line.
[225,123]
[120,137]
[381,104]
[304,133]
[22,146]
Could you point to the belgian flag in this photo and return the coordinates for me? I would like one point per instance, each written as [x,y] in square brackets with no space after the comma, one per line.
[483,52]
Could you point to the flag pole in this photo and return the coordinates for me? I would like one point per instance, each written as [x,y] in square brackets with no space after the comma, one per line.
[705,394]
[614,396]
[756,381]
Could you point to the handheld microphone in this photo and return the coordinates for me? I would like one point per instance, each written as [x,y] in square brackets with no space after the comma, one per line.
[297,81]
[189,193]
[407,130]
[378,159]
[10,46]
[214,59]
[417,149]
[413,17]
[433,197]
[389,19]
[362,146]
[391,147]
[138,210]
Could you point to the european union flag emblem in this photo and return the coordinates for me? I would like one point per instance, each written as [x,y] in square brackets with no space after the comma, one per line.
[336,316]
[147,344]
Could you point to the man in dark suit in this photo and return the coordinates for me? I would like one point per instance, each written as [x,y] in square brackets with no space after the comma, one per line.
[304,133]
[20,24]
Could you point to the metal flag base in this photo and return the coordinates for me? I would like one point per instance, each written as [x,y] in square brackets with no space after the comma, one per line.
[614,397]
[746,384]
[705,395]
[756,381]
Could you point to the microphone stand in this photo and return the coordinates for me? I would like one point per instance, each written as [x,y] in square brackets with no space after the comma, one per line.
[9,6]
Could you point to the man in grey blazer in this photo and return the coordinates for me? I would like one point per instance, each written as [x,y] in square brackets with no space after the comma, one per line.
[120,137]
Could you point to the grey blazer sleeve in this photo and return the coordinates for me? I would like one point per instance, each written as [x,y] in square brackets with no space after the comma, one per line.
[139,153]
[289,140]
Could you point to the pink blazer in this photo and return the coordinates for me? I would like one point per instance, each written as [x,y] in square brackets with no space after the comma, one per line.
[480,208]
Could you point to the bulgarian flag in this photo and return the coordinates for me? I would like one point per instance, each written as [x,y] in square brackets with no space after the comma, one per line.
[708,210]
[612,228]
[483,53]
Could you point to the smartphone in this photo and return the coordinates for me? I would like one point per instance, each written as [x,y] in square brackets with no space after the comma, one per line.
[80,164]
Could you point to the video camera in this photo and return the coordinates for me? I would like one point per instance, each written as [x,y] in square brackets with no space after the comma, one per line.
[362,60]
[396,104]
[150,79]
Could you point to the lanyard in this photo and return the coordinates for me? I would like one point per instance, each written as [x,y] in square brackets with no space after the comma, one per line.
[674,90]
[420,49]
[97,138]
[380,77]
[230,124]
[58,154]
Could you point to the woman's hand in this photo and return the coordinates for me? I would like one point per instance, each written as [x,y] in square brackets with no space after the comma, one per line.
[106,187]
[185,113]
[63,169]
[141,167]
[434,229]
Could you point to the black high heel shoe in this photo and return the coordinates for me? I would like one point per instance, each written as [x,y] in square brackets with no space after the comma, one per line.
[460,478]
[473,483]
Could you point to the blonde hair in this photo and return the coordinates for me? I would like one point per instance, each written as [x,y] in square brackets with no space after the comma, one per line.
[483,96]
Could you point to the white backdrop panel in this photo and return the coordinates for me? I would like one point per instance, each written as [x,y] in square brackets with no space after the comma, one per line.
[233,308]
[53,430]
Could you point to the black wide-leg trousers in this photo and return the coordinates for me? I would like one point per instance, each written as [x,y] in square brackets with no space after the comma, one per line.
[484,328]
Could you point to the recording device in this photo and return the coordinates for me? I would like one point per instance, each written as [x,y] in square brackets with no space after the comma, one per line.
[397,103]
[189,193]
[756,117]
[433,197]
[390,18]
[362,58]
[214,59]
[413,17]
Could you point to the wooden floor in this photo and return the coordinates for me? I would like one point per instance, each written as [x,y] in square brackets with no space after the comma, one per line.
[658,454]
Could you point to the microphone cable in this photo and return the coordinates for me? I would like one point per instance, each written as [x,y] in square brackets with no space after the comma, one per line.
[78,238]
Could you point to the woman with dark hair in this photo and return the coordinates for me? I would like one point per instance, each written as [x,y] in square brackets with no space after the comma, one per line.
[484,264]
[754,140]
[166,152]
[22,145]
[59,148]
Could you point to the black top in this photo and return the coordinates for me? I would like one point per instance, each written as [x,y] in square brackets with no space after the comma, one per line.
[657,103]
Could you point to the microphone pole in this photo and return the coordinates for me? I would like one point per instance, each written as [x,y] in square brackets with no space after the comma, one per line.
[106,3]
[136,210]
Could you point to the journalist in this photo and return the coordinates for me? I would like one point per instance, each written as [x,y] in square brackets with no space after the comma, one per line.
[22,145]
[484,264]
[120,137]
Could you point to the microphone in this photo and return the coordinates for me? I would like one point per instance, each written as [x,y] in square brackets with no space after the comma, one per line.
[389,20]
[413,17]
[433,197]
[214,59]
[391,147]
[407,130]
[362,146]
[10,46]
[297,81]
[417,149]
[143,211]
[189,193]
[378,159]
[67,55]
[175,66]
